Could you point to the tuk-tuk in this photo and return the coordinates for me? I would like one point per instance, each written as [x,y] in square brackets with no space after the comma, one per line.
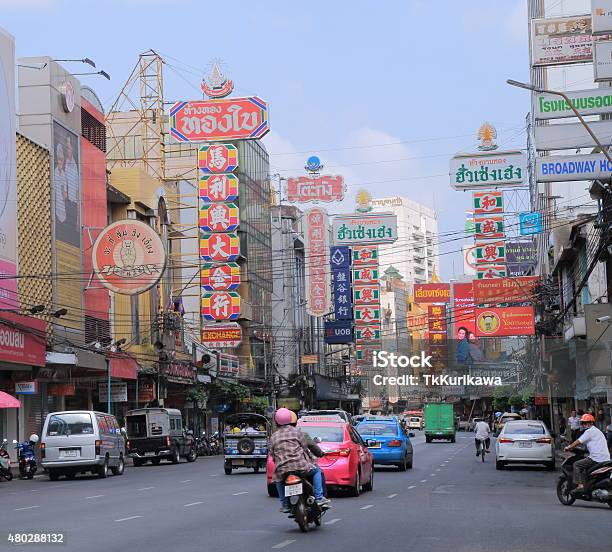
[246,438]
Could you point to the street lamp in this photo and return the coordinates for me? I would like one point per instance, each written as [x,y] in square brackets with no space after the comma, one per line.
[540,90]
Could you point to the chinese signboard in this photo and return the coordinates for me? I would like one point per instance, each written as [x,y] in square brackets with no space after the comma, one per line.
[218,158]
[367,295]
[219,217]
[365,228]
[490,253]
[367,333]
[343,303]
[219,247]
[218,187]
[225,335]
[219,120]
[505,290]
[365,314]
[315,188]
[128,257]
[365,275]
[487,228]
[498,169]
[491,271]
[220,305]
[431,293]
[225,277]
[436,315]
[507,321]
[317,262]
[365,255]
[488,203]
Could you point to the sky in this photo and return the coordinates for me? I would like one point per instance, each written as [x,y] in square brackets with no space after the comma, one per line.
[384,92]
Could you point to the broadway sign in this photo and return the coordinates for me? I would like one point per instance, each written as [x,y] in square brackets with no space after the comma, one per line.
[556,168]
[310,188]
[218,120]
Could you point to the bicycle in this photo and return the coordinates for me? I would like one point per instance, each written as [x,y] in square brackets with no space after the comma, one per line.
[481,448]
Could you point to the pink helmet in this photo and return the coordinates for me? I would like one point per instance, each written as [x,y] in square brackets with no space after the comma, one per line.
[283,416]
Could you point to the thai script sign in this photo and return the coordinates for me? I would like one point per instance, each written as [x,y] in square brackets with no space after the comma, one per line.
[505,321]
[505,290]
[218,158]
[530,223]
[555,168]
[587,102]
[431,293]
[488,170]
[365,228]
[218,120]
[317,262]
[315,188]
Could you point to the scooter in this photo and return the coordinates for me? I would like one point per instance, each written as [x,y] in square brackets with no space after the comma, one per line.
[5,462]
[26,457]
[304,508]
[598,486]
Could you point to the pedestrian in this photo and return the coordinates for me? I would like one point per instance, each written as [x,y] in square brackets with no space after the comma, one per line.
[574,425]
[562,426]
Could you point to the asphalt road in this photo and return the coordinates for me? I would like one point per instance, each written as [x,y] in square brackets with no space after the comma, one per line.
[449,501]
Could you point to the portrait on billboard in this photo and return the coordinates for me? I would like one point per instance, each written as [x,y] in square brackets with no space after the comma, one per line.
[66,185]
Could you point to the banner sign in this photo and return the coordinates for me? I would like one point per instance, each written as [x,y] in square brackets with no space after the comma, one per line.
[463,306]
[431,293]
[601,13]
[365,314]
[368,333]
[25,388]
[487,228]
[219,247]
[118,392]
[218,187]
[219,217]
[561,40]
[365,228]
[365,275]
[505,290]
[343,303]
[226,335]
[520,252]
[317,262]
[572,136]
[491,271]
[224,277]
[340,257]
[365,255]
[500,322]
[490,253]
[315,188]
[602,61]
[488,203]
[436,315]
[559,168]
[587,102]
[497,169]
[367,295]
[219,120]
[220,305]
[530,223]
[339,331]
[218,158]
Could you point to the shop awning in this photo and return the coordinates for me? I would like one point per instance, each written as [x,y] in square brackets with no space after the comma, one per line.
[124,367]
[8,401]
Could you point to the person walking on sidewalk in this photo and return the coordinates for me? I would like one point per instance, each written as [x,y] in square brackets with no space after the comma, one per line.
[574,425]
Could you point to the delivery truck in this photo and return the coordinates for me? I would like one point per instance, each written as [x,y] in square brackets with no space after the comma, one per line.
[439,422]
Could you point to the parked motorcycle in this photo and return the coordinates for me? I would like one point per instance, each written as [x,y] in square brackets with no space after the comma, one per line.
[215,445]
[27,457]
[304,508]
[5,462]
[203,445]
[598,486]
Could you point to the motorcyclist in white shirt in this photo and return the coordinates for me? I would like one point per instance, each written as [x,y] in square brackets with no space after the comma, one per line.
[482,435]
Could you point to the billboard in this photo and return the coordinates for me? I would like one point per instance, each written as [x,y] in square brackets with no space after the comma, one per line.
[489,227]
[520,257]
[505,290]
[223,335]
[220,305]
[316,248]
[339,331]
[315,188]
[463,306]
[572,135]
[8,177]
[218,158]
[506,321]
[128,257]
[497,169]
[66,185]
[219,120]
[601,13]
[431,293]
[588,102]
[488,203]
[218,187]
[365,228]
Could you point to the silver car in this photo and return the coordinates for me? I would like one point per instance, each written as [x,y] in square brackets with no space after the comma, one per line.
[80,441]
[524,442]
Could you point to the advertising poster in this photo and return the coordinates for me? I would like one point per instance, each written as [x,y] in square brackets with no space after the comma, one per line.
[431,293]
[506,321]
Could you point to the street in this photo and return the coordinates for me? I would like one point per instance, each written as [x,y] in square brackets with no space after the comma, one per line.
[448,501]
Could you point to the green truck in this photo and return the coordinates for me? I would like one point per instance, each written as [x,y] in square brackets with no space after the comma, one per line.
[439,422]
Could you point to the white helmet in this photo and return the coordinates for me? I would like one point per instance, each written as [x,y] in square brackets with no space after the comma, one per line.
[33,438]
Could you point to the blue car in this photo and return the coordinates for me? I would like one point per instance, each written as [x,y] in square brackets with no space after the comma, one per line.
[387,442]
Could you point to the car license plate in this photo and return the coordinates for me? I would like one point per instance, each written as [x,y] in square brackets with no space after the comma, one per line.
[292,490]
[525,444]
[377,445]
[70,453]
[149,454]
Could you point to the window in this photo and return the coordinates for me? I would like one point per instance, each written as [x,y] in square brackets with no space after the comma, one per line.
[172,426]
[371,429]
[325,433]
[137,426]
[102,425]
[70,424]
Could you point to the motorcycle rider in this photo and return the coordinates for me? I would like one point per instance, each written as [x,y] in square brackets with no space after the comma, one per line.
[291,451]
[481,429]
[596,444]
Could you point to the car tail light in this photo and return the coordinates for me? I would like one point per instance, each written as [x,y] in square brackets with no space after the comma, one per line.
[127,445]
[547,440]
[339,452]
[292,480]
[505,440]
[98,445]
[167,441]
[394,443]
[42,450]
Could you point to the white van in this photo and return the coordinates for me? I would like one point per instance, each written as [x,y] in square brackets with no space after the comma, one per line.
[80,441]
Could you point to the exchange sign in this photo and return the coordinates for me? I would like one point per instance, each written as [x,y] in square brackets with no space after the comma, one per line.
[311,188]
[218,187]
[365,228]
[224,335]
[225,277]
[219,217]
[218,158]
[219,247]
[218,120]
[220,305]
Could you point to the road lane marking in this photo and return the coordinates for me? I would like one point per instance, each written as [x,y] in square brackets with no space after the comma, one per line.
[26,508]
[332,521]
[412,487]
[128,518]
[33,490]
[93,496]
[392,495]
[192,504]
[284,543]
[367,507]
[240,493]
[423,480]
[186,481]
[438,469]
[214,475]
[145,489]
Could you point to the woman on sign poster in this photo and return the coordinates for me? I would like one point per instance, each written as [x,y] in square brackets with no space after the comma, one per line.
[475,352]
[60,184]
[462,353]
